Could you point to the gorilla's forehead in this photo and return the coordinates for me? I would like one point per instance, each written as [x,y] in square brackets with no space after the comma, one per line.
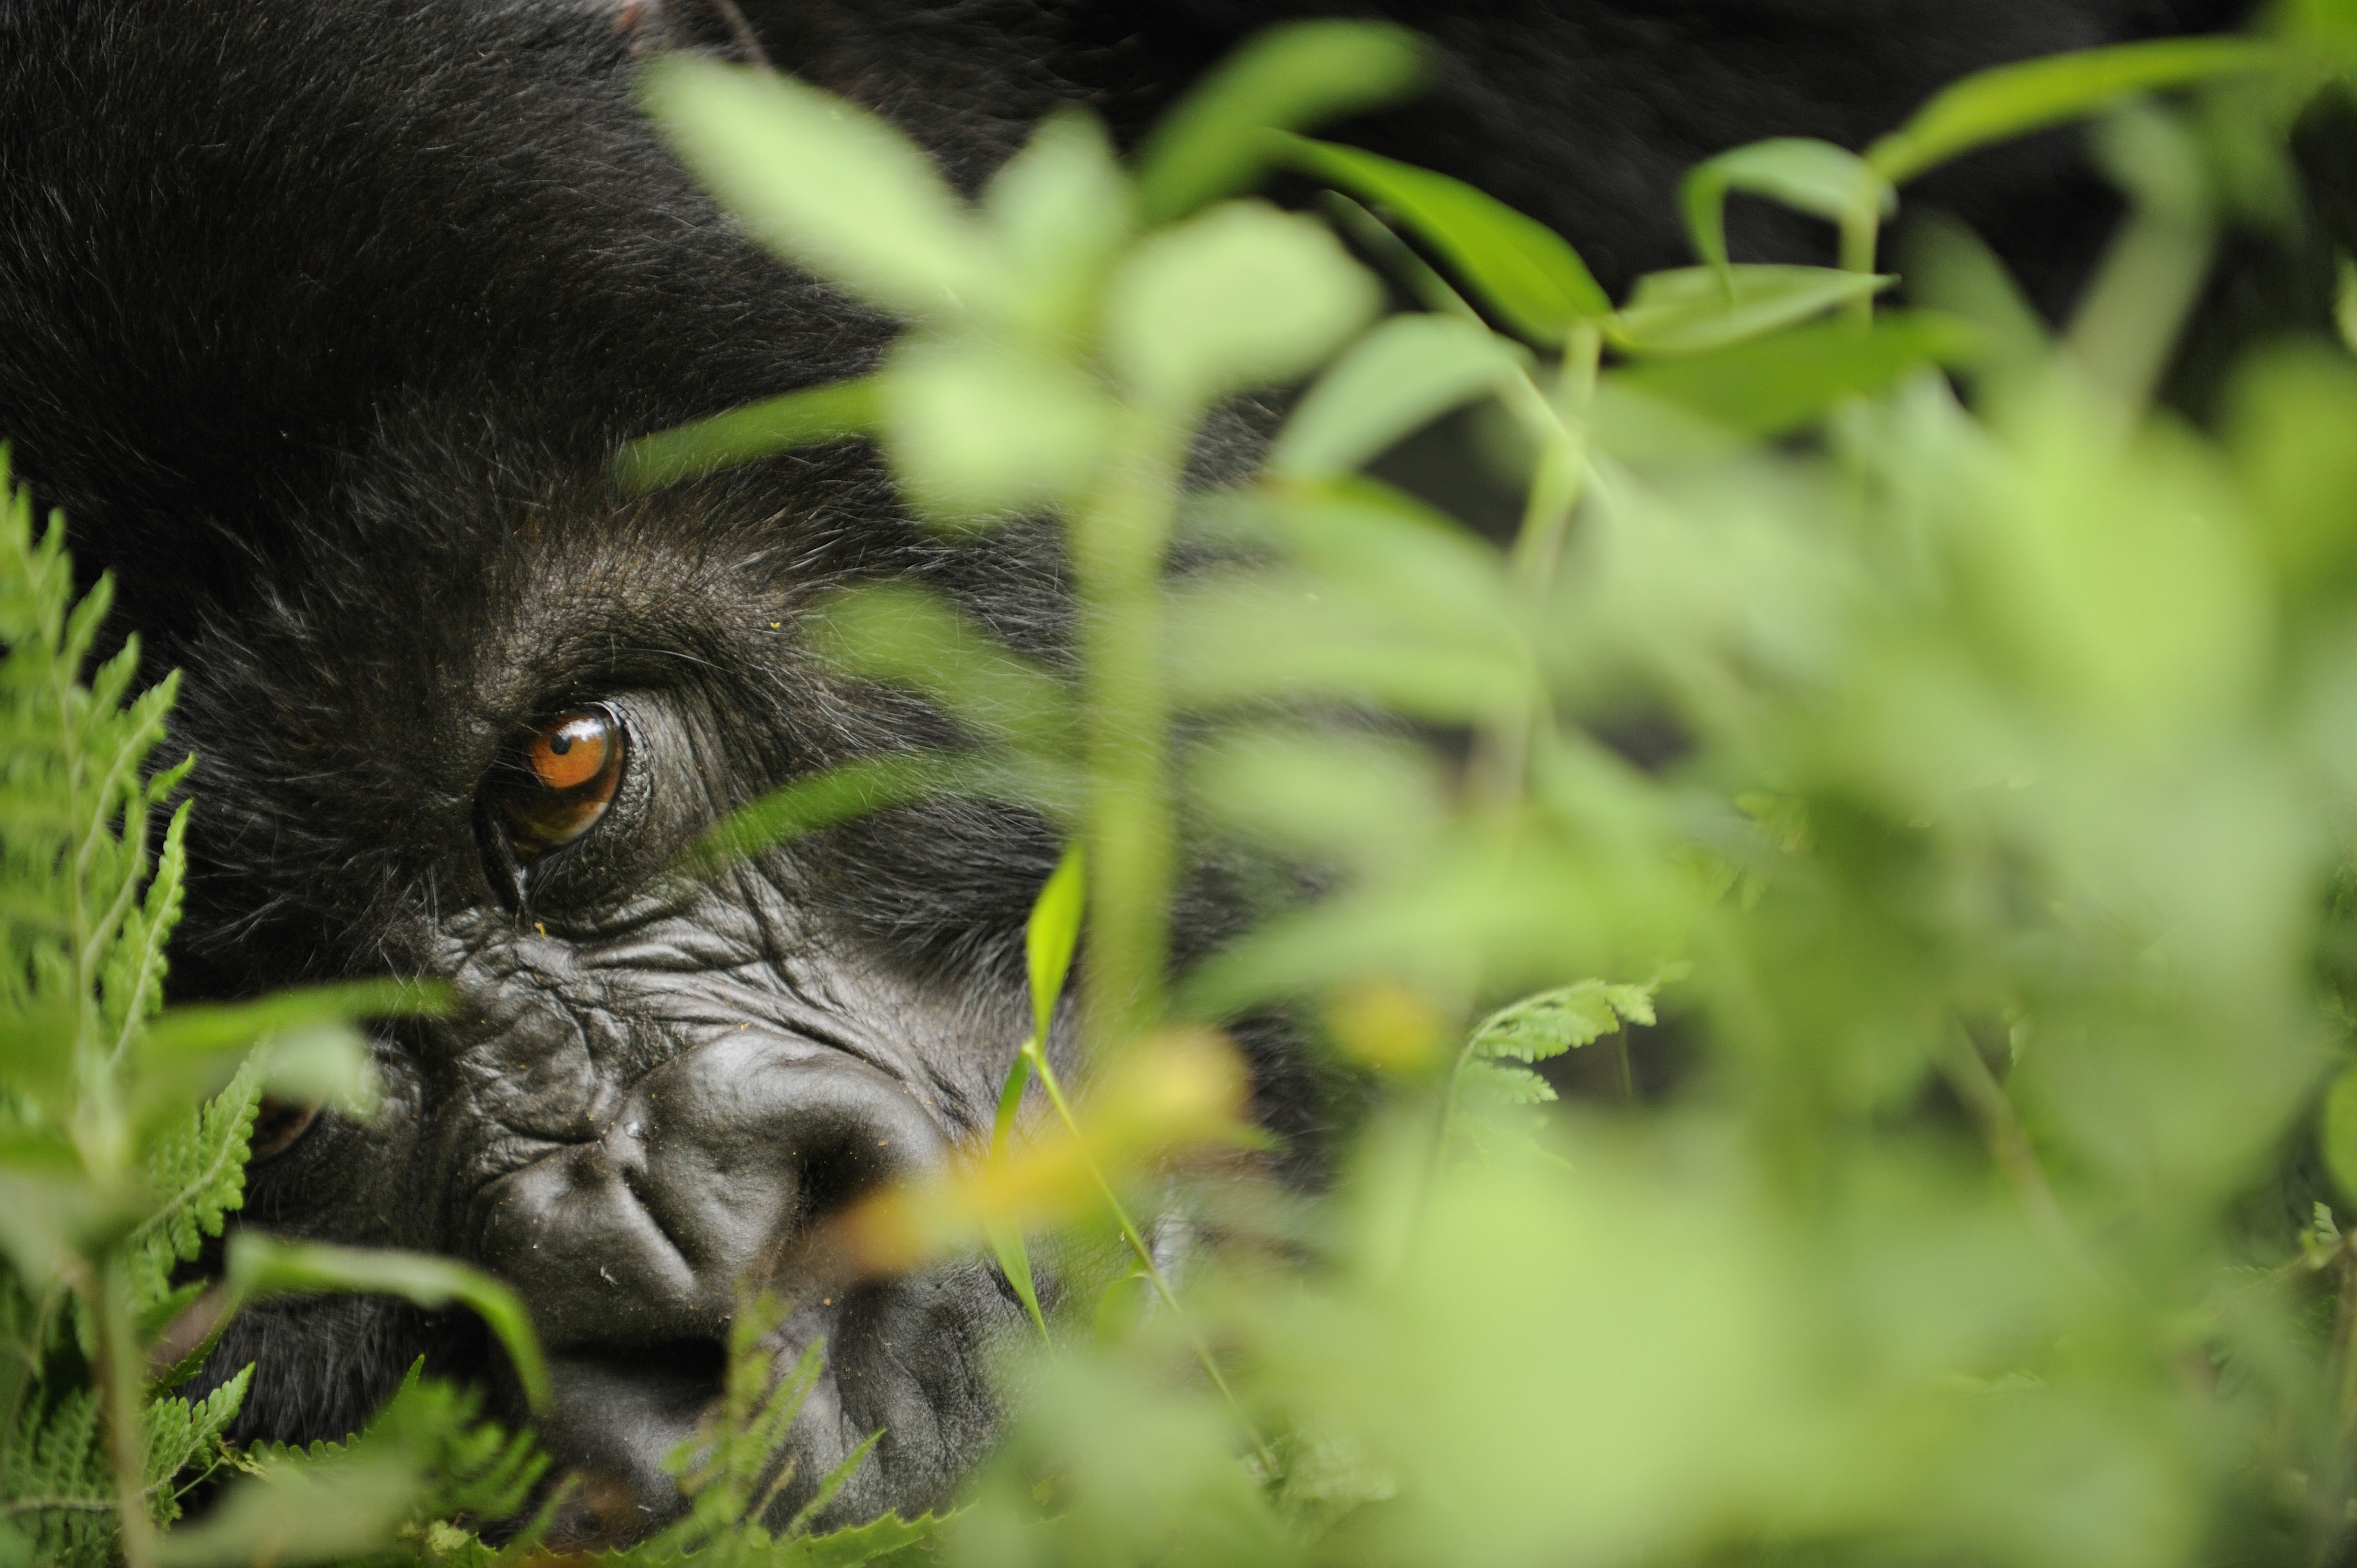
[353,704]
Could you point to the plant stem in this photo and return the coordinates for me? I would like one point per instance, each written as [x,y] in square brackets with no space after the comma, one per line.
[2333,1505]
[1559,423]
[2132,313]
[2010,1148]
[1500,773]
[1136,1239]
[1394,259]
[106,1293]
[1861,234]
[1118,545]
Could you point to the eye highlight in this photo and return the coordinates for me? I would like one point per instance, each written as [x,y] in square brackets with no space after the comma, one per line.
[568,771]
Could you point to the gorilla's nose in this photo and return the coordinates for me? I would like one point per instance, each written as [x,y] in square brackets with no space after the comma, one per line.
[717,1164]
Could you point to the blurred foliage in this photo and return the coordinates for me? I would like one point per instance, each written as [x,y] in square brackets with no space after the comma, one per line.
[1982,864]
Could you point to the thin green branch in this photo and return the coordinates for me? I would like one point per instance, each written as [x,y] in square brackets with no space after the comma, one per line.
[1137,1243]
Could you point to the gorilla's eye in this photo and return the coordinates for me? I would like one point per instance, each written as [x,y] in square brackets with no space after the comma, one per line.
[277,1125]
[569,770]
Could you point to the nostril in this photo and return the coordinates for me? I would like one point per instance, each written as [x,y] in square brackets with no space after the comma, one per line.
[681,1363]
[842,1164]
[722,1163]
[750,1143]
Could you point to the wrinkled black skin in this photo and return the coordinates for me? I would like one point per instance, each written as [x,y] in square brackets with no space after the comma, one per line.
[320,317]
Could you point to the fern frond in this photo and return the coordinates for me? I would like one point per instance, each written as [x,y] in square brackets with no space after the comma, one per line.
[1563,1019]
[197,1173]
[184,1442]
[55,1484]
[131,983]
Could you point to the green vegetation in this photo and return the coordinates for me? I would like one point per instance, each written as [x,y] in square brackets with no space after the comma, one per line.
[1992,896]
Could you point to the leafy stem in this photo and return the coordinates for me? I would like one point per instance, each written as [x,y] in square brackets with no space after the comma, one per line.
[1038,1060]
[106,1293]
[1118,543]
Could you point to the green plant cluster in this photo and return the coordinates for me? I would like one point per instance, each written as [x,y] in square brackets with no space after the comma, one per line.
[1985,884]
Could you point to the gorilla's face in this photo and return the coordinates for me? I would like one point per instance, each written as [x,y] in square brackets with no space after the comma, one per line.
[466,744]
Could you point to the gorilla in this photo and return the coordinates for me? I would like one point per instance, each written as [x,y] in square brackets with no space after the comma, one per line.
[322,319]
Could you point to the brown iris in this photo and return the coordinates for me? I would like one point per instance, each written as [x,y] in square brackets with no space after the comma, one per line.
[571,765]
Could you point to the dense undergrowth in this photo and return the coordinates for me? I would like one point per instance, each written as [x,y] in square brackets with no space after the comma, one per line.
[1987,923]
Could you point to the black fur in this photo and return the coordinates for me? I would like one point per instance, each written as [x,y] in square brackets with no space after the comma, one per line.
[320,320]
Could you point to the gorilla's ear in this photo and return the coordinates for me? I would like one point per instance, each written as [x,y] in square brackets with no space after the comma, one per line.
[708,26]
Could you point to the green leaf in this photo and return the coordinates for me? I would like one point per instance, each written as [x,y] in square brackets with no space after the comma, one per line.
[209,1028]
[2015,99]
[39,1062]
[304,1514]
[724,1465]
[1368,802]
[2339,1133]
[427,1455]
[979,428]
[185,1436]
[812,416]
[861,788]
[915,637]
[189,1051]
[48,1216]
[1811,175]
[857,1545]
[197,1172]
[1015,1259]
[260,1266]
[1372,550]
[133,978]
[1556,1021]
[1050,939]
[326,1064]
[1061,210]
[827,182]
[1211,145]
[1952,272]
[1399,377]
[1694,309]
[1492,1084]
[1776,384]
[2288,419]
[1519,267]
[1051,935]
[1243,296]
[1249,638]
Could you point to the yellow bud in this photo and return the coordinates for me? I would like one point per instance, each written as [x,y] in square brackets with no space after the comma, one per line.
[1388,1026]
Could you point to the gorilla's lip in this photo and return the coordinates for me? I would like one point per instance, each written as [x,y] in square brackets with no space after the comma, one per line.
[617,1416]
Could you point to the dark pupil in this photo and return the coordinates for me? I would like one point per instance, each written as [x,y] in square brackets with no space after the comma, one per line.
[559,743]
